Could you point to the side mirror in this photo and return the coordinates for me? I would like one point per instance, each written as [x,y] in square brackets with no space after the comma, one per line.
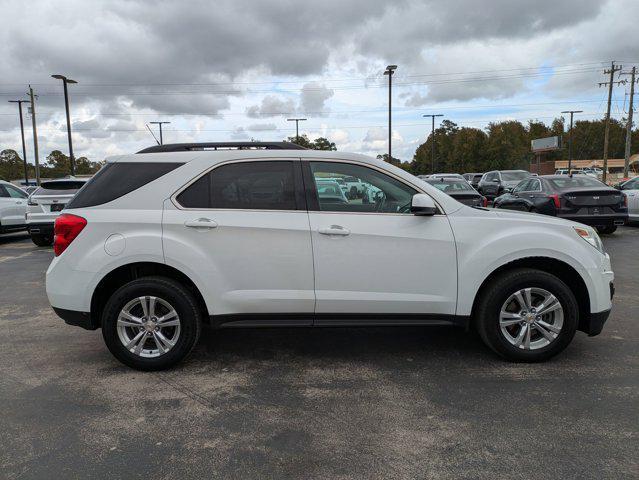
[422,204]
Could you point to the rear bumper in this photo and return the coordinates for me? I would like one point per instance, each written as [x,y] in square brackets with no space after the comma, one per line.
[78,319]
[40,228]
[597,220]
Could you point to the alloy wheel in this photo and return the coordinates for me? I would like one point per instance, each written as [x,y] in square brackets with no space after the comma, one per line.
[531,318]
[148,326]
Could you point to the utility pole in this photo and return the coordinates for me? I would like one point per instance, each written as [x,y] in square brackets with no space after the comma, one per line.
[613,69]
[571,112]
[160,125]
[432,142]
[24,148]
[35,135]
[297,126]
[626,157]
[65,82]
[390,69]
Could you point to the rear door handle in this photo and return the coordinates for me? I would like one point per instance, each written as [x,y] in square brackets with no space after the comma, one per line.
[201,223]
[335,230]
[19,202]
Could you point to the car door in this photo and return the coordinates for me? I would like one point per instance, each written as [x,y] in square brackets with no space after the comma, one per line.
[242,230]
[631,190]
[13,203]
[530,194]
[490,187]
[376,259]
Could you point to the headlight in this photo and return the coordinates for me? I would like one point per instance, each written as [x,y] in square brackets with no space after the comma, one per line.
[590,236]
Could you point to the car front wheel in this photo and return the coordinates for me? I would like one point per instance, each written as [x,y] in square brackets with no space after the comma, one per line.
[527,315]
[151,323]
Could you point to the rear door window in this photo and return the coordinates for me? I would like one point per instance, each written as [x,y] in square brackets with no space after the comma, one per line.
[15,192]
[115,180]
[264,185]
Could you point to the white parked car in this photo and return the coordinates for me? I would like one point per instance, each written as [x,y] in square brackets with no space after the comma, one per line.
[159,242]
[447,175]
[45,204]
[631,189]
[13,205]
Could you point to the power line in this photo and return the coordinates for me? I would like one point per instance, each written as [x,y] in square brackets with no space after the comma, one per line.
[330,79]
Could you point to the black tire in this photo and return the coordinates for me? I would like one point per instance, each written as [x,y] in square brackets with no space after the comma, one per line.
[42,240]
[179,297]
[491,299]
[607,230]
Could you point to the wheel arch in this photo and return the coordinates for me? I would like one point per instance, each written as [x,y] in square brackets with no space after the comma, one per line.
[562,270]
[131,271]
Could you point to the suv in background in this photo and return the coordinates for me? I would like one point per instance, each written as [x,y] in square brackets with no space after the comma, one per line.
[159,242]
[494,183]
[473,178]
[13,204]
[45,204]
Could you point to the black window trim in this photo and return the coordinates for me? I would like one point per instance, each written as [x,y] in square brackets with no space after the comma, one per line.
[311,193]
[300,204]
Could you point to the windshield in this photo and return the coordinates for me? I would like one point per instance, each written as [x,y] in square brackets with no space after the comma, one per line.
[513,176]
[451,187]
[576,181]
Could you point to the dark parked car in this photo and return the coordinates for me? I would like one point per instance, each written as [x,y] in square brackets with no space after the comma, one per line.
[494,183]
[580,198]
[460,190]
[473,178]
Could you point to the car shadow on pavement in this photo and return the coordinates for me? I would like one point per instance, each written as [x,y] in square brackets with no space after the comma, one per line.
[9,238]
[361,344]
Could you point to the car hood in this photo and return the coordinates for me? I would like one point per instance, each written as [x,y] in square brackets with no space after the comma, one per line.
[534,217]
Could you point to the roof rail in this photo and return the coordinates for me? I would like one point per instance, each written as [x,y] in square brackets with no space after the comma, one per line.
[187,147]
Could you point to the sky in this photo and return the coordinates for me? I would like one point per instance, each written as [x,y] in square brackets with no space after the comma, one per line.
[236,70]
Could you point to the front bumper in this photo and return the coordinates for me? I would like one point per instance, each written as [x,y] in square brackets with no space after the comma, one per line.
[594,323]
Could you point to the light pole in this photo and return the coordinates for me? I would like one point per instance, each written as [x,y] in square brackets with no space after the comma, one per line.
[297,126]
[432,140]
[571,112]
[24,148]
[160,125]
[390,69]
[65,82]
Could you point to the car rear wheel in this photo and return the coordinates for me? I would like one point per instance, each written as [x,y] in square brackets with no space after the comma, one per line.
[151,323]
[607,230]
[42,240]
[527,315]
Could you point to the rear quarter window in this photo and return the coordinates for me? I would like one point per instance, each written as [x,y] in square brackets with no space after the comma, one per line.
[115,180]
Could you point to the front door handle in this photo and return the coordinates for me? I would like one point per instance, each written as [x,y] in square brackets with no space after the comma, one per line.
[201,223]
[335,230]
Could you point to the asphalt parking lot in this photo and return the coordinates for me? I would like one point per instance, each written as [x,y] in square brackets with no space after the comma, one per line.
[313,403]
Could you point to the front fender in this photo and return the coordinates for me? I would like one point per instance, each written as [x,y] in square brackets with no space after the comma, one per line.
[504,240]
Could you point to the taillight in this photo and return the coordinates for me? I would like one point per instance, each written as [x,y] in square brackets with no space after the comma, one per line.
[625,199]
[66,228]
[484,202]
[555,198]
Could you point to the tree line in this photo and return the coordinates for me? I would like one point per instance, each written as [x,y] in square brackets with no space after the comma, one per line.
[507,145]
[55,165]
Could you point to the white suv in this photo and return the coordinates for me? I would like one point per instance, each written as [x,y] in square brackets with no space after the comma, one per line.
[13,205]
[161,241]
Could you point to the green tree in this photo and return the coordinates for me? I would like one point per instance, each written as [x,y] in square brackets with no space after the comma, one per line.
[322,143]
[11,165]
